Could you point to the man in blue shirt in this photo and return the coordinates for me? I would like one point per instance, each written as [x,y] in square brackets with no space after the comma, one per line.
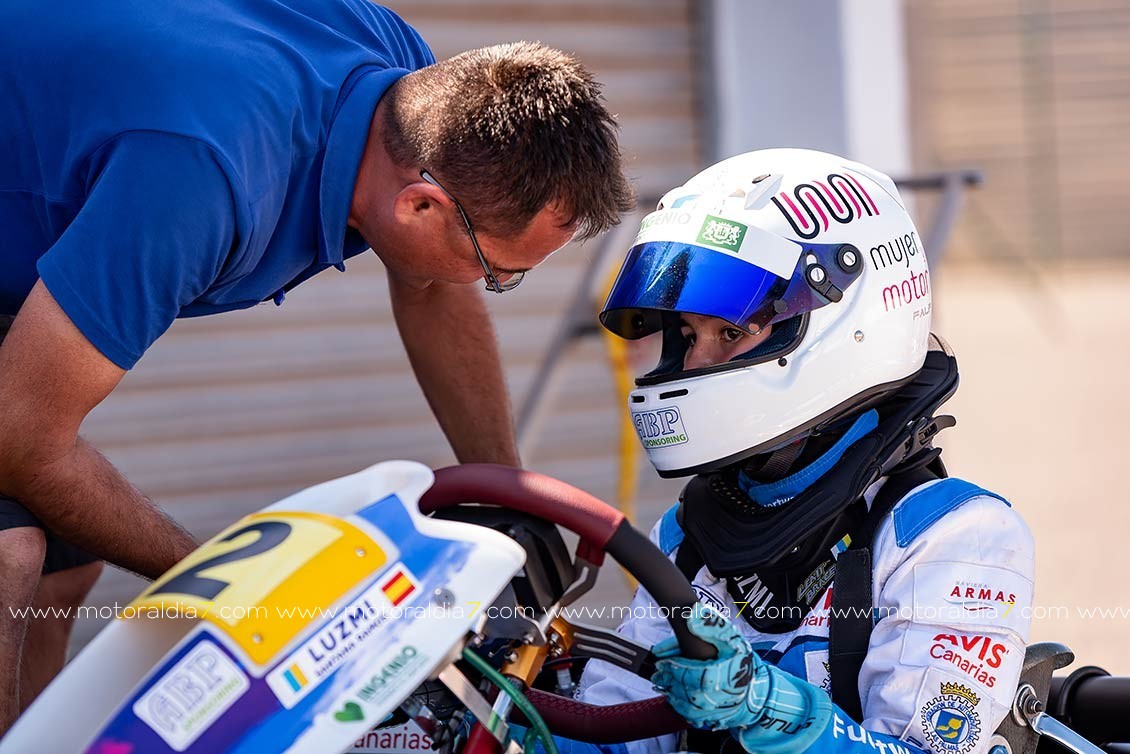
[174,159]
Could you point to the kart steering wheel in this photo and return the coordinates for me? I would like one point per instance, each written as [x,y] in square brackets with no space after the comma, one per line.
[602,529]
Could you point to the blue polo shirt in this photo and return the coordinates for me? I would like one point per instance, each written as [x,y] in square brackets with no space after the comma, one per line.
[183,157]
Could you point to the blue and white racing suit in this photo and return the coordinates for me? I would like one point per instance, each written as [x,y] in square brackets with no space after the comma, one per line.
[952,586]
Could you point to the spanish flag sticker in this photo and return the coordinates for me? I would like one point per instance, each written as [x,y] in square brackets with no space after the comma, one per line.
[399,586]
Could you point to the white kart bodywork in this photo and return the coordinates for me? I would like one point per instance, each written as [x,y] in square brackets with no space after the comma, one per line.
[144,672]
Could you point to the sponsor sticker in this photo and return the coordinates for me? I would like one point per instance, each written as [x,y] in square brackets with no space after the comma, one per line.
[960,594]
[817,669]
[816,582]
[821,612]
[951,715]
[661,219]
[660,427]
[407,738]
[845,728]
[353,627]
[950,720]
[722,233]
[394,673]
[708,598]
[747,242]
[192,695]
[988,660]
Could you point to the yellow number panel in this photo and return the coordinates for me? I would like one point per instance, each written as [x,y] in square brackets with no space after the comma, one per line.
[267,577]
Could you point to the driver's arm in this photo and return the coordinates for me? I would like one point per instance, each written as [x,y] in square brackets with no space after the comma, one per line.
[155,230]
[451,345]
[954,612]
[942,665]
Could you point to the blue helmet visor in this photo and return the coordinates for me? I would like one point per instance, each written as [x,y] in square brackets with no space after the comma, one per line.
[679,277]
[673,276]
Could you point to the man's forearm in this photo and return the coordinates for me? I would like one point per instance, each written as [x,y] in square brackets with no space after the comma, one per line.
[450,342]
[86,501]
[51,377]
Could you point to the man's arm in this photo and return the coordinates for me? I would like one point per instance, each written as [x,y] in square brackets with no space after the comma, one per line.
[50,378]
[450,342]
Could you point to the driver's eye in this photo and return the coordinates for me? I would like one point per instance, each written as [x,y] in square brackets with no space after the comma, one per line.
[688,336]
[732,334]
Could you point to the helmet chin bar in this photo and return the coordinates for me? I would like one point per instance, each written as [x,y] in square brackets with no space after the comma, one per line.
[851,407]
[691,424]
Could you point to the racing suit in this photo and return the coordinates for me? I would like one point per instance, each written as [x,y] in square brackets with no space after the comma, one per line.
[952,588]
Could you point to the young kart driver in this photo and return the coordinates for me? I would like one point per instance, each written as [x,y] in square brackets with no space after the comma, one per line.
[874,604]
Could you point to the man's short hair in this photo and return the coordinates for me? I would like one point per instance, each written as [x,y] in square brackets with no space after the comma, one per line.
[508,129]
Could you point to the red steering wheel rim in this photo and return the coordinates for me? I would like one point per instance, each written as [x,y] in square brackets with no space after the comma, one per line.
[597,523]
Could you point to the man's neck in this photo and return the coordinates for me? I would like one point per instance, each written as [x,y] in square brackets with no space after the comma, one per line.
[377,177]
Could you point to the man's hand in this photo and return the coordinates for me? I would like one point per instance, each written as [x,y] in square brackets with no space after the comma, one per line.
[450,342]
[726,692]
[50,378]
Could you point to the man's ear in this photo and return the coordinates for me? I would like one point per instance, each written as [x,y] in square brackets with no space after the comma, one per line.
[417,201]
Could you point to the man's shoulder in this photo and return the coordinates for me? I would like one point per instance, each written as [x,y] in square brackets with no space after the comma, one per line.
[205,68]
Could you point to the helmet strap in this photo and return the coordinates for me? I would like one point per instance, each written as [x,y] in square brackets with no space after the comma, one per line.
[775,465]
[771,494]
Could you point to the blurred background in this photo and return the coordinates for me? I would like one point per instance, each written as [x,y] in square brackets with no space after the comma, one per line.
[229,413]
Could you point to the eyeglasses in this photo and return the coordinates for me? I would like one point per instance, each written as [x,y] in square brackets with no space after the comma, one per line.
[493,283]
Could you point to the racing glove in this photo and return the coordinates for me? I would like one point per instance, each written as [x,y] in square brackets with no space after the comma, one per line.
[768,710]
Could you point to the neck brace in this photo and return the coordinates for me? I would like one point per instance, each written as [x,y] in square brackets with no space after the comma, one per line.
[736,537]
[781,491]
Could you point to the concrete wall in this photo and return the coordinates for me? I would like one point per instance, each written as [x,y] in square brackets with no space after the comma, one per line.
[827,74]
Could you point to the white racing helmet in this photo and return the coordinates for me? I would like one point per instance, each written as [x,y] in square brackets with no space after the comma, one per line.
[817,246]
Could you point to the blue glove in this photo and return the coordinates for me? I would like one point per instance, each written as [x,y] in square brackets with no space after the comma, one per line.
[726,692]
[768,710]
